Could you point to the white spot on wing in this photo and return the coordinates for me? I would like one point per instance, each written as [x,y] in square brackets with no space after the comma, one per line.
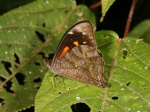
[83,33]
[70,32]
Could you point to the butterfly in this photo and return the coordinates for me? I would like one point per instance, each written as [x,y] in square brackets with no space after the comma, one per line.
[77,57]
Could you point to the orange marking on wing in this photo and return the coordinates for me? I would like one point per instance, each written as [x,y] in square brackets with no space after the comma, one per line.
[94,76]
[76,43]
[64,51]
[95,79]
[84,42]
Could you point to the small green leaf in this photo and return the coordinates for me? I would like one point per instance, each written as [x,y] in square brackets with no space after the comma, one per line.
[106,4]
[141,31]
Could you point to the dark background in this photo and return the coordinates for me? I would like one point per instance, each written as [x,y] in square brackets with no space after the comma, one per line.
[117,15]
[115,18]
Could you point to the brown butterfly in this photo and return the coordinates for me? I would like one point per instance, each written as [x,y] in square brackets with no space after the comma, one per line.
[77,57]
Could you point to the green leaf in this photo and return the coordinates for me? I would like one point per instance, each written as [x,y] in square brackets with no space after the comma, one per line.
[142,31]
[26,35]
[127,65]
[106,4]
[131,76]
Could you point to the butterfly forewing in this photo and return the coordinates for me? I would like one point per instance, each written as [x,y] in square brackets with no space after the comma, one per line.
[77,57]
[79,34]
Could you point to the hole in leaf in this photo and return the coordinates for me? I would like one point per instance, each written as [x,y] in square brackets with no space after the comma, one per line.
[2,101]
[37,80]
[104,35]
[16,58]
[128,83]
[115,98]
[20,78]
[50,56]
[59,92]
[37,63]
[8,85]
[66,11]
[2,79]
[40,36]
[31,109]
[125,53]
[9,45]
[80,107]
[7,65]
[42,54]
[43,24]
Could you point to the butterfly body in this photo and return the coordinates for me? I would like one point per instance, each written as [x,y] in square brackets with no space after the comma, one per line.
[77,57]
